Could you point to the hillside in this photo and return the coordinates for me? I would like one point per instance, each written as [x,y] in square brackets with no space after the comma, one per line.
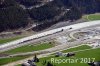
[15,14]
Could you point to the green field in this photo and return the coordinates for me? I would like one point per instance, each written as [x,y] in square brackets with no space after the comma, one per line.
[11,59]
[18,65]
[29,48]
[23,49]
[68,50]
[9,39]
[93,53]
[92,17]
[77,48]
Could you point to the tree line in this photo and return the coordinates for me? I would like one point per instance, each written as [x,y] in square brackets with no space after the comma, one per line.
[12,16]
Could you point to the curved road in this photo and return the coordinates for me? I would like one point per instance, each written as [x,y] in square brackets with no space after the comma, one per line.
[43,34]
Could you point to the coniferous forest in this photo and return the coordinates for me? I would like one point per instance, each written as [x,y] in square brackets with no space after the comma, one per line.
[14,14]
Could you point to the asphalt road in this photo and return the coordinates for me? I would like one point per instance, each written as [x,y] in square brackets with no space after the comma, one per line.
[52,36]
[46,34]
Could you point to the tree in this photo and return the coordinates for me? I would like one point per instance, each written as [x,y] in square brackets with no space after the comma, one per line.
[44,62]
[12,16]
[28,3]
[36,59]
[49,64]
[45,12]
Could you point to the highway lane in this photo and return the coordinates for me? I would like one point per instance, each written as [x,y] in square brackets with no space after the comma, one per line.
[35,41]
[47,52]
[46,38]
[54,49]
[64,46]
[43,34]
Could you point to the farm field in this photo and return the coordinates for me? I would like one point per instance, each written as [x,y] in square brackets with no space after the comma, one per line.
[93,53]
[29,48]
[2,41]
[77,48]
[78,55]
[24,49]
[92,17]
[11,59]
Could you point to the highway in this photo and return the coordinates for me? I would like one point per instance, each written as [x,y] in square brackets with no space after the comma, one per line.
[53,33]
[50,32]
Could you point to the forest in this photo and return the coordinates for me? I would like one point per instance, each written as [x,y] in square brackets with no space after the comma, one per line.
[13,16]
